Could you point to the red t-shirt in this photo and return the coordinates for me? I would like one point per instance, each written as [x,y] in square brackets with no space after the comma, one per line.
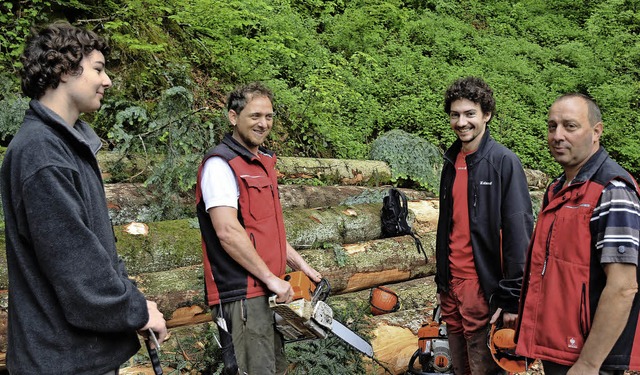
[461,256]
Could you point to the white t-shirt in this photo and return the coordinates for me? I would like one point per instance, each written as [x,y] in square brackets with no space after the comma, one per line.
[218,184]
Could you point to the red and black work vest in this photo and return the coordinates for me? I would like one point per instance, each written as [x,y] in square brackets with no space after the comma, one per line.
[564,278]
[259,212]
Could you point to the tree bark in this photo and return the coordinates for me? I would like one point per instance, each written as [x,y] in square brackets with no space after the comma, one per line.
[340,171]
[116,166]
[176,243]
[348,268]
[129,202]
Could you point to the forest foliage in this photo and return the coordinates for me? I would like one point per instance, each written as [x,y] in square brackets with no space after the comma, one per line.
[344,72]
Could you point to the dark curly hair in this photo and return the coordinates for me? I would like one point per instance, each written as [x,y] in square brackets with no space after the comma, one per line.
[53,51]
[239,97]
[473,89]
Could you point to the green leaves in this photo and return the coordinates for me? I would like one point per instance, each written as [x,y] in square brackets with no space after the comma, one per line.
[411,159]
[345,72]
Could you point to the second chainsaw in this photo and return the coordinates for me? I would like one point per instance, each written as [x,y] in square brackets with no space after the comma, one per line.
[309,317]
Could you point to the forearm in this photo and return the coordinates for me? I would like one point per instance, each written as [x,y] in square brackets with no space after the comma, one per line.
[609,321]
[236,243]
[239,247]
[296,262]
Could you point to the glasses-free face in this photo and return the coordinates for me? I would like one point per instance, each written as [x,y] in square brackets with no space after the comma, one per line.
[570,136]
[85,91]
[253,124]
[468,122]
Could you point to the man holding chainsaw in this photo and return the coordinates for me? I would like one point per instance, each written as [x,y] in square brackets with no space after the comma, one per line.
[483,230]
[579,307]
[72,307]
[244,244]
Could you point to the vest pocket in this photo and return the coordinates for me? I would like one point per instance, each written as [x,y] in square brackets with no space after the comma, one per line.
[571,234]
[260,192]
[563,308]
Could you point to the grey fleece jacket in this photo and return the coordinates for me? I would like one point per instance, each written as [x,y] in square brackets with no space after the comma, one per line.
[72,308]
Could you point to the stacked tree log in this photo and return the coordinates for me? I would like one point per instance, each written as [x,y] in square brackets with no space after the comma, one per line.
[343,241]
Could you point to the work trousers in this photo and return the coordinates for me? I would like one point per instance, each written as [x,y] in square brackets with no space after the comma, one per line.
[466,312]
[257,344]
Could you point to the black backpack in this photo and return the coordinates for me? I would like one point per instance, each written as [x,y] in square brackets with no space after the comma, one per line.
[394,218]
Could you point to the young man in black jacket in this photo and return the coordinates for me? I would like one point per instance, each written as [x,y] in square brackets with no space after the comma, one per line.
[72,308]
[483,231]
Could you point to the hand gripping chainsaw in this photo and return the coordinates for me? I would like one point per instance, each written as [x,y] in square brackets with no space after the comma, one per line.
[308,317]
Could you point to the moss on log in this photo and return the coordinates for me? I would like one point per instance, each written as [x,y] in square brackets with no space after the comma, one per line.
[312,228]
[342,171]
[395,260]
[178,293]
[363,265]
[176,243]
[136,168]
[169,244]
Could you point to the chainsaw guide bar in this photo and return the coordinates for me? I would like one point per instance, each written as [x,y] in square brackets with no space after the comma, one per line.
[308,317]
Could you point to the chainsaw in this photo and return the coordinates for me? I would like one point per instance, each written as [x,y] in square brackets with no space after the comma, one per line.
[433,348]
[308,316]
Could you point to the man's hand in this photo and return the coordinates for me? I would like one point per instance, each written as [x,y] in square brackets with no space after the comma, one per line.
[281,288]
[156,322]
[508,319]
[314,275]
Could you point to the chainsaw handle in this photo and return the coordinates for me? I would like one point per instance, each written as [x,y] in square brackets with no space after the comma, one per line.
[437,311]
[323,289]
[153,356]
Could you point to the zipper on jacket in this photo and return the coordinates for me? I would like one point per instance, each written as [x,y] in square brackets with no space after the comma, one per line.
[546,251]
[475,197]
[253,241]
[274,192]
[584,319]
[475,201]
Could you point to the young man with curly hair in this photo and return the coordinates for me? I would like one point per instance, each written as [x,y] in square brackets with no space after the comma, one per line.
[483,230]
[72,308]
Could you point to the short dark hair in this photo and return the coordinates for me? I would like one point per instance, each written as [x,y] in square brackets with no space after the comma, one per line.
[55,50]
[239,97]
[594,114]
[473,89]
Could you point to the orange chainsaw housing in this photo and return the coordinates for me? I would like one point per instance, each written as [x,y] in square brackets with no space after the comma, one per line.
[427,332]
[301,284]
